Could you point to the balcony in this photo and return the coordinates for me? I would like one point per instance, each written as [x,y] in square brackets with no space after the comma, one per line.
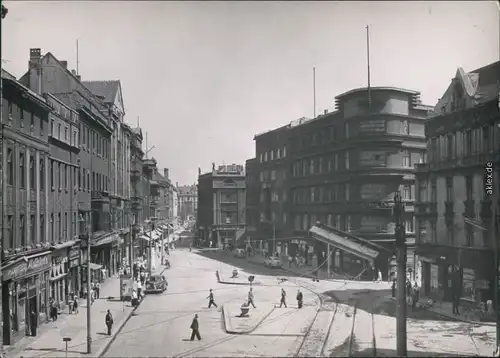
[425,209]
[99,196]
[469,208]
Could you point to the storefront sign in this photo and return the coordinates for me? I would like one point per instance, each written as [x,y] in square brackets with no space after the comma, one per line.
[15,271]
[74,253]
[38,263]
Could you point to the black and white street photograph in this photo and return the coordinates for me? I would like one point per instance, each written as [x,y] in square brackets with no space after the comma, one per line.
[249,179]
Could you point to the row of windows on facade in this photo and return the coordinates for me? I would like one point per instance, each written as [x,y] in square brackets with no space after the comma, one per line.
[427,190]
[323,165]
[427,233]
[22,119]
[92,141]
[272,175]
[343,192]
[333,134]
[64,137]
[273,154]
[60,225]
[456,145]
[342,222]
[61,175]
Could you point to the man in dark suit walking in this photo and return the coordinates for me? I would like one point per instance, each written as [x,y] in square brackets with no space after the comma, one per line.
[195,328]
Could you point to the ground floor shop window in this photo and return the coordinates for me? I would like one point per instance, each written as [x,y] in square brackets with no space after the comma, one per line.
[21,312]
[13,306]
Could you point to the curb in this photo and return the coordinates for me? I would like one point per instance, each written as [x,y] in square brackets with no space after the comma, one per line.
[249,330]
[456,319]
[221,281]
[101,352]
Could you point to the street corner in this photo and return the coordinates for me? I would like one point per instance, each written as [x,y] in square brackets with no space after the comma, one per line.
[242,278]
[236,323]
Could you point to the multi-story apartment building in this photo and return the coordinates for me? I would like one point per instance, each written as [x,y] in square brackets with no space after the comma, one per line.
[63,171]
[26,244]
[150,188]
[455,206]
[47,74]
[162,209]
[252,202]
[110,93]
[188,201]
[136,157]
[221,205]
[174,204]
[342,170]
[273,167]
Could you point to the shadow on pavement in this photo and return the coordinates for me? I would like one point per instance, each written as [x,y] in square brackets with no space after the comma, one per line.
[393,353]
[53,350]
[379,302]
[242,263]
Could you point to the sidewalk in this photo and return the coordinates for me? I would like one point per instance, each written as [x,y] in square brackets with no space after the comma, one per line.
[49,343]
[307,271]
[445,309]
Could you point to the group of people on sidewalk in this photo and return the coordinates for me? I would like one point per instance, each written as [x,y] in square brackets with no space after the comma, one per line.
[412,292]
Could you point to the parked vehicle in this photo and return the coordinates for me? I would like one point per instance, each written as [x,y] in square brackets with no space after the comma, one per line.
[156,284]
[240,253]
[273,262]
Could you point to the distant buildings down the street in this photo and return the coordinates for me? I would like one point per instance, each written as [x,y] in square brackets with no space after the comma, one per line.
[188,202]
[73,170]
[221,205]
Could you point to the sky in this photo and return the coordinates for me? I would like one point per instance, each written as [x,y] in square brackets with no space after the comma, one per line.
[205,77]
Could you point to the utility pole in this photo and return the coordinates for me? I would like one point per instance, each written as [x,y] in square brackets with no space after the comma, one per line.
[89,292]
[398,212]
[494,238]
[274,239]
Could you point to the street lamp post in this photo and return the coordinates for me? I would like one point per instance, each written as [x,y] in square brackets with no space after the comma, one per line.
[398,212]
[274,239]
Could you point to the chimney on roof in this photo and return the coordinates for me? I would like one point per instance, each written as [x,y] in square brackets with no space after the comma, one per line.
[325,111]
[35,71]
[73,72]
[65,64]
[177,184]
[165,173]
[35,56]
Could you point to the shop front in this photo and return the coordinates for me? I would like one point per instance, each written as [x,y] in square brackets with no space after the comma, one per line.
[59,277]
[104,253]
[74,269]
[24,295]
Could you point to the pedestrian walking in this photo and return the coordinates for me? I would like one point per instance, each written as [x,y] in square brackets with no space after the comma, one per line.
[211,299]
[195,328]
[300,299]
[33,323]
[75,305]
[109,322]
[134,299]
[283,298]
[250,298]
[97,290]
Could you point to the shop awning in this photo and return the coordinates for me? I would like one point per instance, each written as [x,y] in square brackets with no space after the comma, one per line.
[64,245]
[55,278]
[144,237]
[105,240]
[93,266]
[343,243]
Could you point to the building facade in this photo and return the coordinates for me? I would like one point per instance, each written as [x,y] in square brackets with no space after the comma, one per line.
[252,201]
[272,166]
[26,254]
[221,205]
[188,202]
[46,74]
[455,208]
[64,171]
